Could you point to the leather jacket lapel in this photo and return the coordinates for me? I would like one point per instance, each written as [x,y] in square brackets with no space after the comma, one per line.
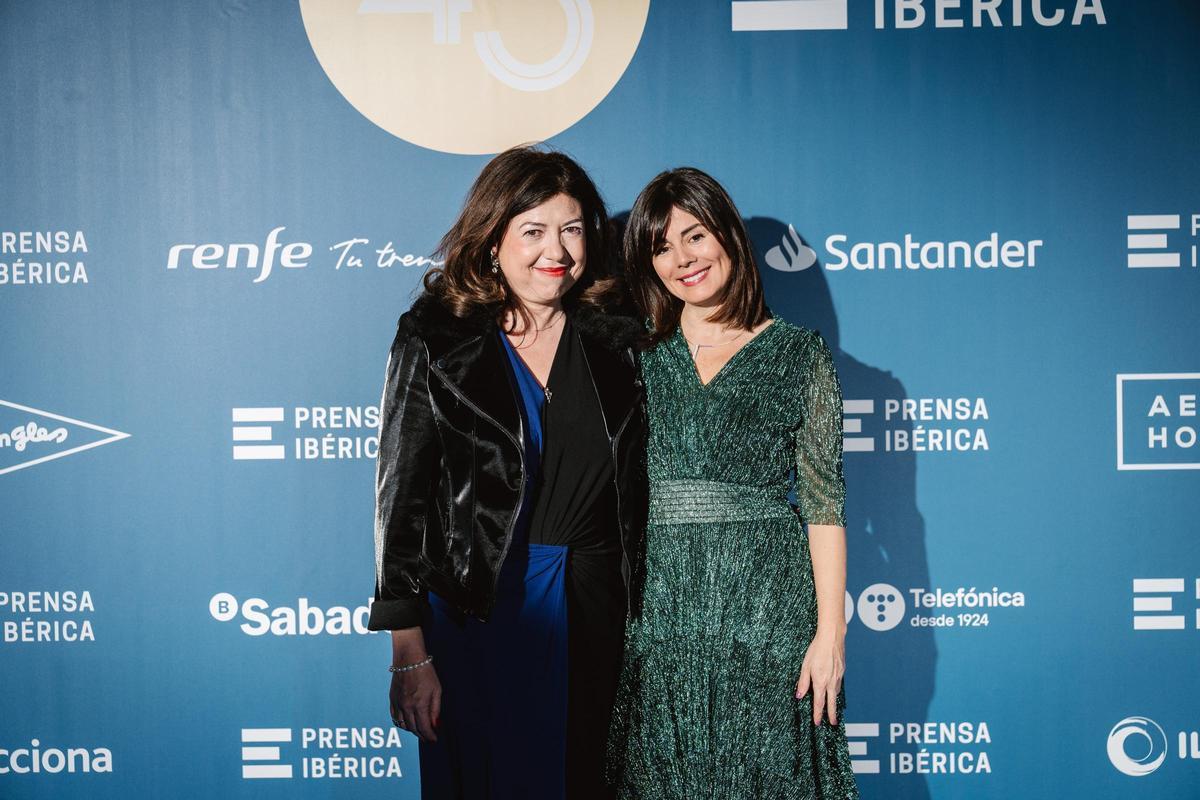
[616,381]
[476,371]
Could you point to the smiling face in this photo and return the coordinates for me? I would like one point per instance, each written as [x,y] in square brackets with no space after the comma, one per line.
[690,262]
[543,251]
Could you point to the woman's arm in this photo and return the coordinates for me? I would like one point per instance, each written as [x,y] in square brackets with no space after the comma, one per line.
[821,494]
[406,463]
[825,662]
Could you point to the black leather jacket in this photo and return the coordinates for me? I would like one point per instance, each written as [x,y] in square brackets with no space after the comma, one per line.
[450,471]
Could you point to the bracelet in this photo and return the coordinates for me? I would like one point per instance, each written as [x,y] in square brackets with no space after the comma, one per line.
[408,667]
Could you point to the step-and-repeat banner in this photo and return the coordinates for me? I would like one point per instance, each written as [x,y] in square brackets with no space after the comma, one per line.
[212,214]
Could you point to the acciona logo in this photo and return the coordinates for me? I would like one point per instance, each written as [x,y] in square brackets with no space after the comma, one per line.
[817,15]
[36,758]
[906,254]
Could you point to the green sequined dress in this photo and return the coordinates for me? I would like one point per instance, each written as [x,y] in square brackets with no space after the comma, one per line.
[706,706]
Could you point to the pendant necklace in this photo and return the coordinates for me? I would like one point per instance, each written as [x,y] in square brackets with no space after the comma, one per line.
[695,348]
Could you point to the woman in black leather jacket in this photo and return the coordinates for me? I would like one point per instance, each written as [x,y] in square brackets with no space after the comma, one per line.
[510,491]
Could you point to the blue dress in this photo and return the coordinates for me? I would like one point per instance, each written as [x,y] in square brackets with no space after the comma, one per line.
[524,711]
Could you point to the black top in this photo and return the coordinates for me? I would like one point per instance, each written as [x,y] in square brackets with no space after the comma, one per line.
[575,502]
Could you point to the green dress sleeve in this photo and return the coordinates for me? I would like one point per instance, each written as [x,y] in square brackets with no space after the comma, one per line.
[820,486]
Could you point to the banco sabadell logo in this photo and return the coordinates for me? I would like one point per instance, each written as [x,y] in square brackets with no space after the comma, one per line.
[451,75]
[1151,747]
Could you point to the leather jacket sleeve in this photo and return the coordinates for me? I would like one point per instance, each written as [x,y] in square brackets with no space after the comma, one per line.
[407,462]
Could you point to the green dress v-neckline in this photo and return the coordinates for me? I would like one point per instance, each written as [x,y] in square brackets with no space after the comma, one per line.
[681,342]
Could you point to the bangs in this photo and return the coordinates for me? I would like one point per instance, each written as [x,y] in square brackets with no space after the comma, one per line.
[658,209]
[658,217]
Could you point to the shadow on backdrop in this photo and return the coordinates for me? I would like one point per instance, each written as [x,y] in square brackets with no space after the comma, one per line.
[890,673]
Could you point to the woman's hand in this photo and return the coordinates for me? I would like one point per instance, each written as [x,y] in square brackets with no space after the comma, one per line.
[415,696]
[416,701]
[822,671]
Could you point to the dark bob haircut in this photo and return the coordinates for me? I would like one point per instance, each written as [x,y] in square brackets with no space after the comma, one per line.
[741,304]
[513,182]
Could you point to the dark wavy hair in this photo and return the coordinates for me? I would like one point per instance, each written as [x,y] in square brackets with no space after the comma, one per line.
[741,303]
[513,182]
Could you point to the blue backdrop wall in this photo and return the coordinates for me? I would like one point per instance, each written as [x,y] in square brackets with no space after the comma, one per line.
[991,210]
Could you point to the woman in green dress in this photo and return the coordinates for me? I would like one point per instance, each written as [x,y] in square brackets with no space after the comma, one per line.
[732,681]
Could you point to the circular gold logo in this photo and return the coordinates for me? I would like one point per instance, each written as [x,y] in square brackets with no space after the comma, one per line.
[474,76]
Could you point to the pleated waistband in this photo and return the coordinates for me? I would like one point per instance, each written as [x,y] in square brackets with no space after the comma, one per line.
[680,502]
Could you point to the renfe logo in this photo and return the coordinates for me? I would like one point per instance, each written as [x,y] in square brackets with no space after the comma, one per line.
[814,15]
[215,256]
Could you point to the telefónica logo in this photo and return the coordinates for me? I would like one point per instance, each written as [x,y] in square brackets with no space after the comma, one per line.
[473,77]
[881,607]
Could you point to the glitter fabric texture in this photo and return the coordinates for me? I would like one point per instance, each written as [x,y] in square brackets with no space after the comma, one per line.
[706,706]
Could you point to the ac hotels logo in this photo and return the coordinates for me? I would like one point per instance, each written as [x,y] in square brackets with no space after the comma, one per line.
[1158,421]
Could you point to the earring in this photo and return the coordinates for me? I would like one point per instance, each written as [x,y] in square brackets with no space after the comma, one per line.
[495,263]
